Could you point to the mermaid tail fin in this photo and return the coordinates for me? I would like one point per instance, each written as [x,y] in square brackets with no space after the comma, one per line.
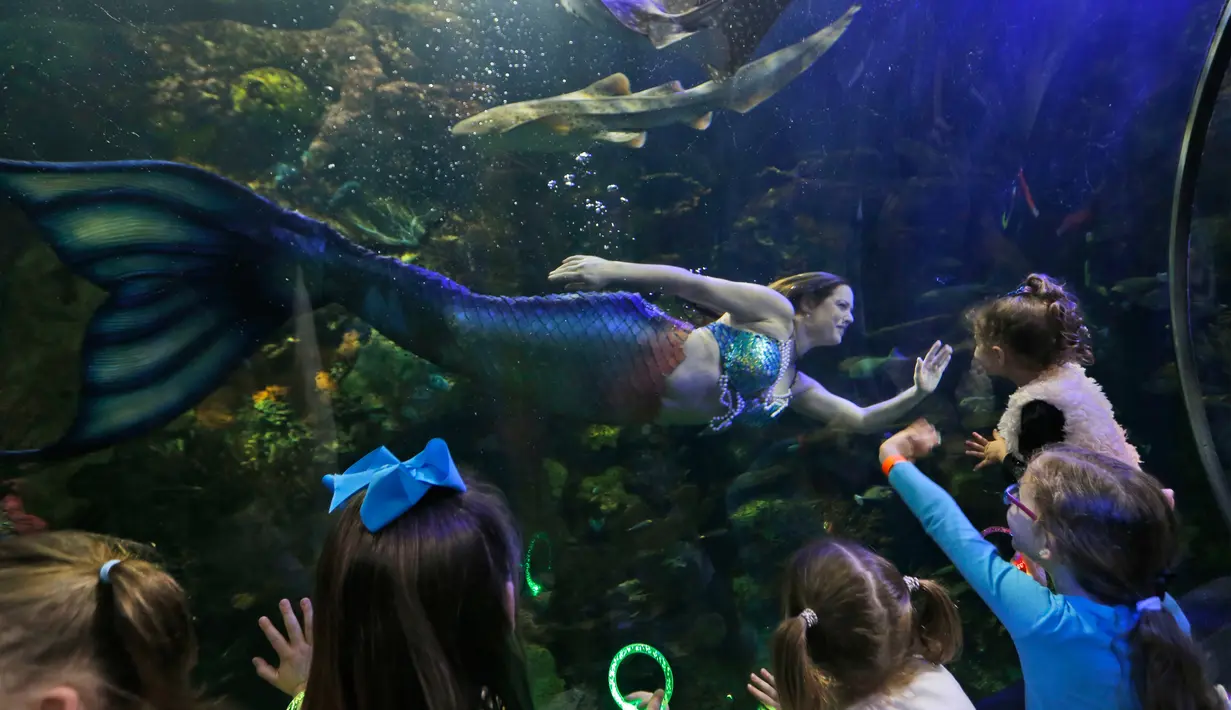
[200,270]
[191,293]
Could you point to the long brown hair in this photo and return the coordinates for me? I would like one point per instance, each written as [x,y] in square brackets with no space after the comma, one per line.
[869,626]
[1040,322]
[1113,527]
[808,289]
[414,616]
[132,633]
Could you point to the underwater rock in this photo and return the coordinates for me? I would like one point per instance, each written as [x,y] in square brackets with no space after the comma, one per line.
[299,14]
[545,683]
[224,84]
[572,699]
[396,136]
[441,33]
[58,105]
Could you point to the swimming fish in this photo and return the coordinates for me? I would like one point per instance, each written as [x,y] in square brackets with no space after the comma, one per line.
[875,493]
[1018,180]
[660,23]
[607,111]
[862,368]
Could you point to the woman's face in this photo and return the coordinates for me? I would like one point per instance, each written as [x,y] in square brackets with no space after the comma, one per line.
[827,321]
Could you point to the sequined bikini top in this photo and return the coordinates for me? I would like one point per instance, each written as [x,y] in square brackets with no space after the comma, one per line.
[752,365]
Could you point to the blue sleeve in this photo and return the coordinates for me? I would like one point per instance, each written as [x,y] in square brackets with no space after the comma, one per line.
[1014,597]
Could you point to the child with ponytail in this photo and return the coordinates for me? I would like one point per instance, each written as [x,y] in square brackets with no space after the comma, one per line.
[1109,637]
[860,635]
[86,624]
[1037,338]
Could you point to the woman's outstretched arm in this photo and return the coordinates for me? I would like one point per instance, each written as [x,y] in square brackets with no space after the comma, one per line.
[746,303]
[812,400]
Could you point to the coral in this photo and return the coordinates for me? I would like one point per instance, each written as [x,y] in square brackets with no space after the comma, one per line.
[545,683]
[557,476]
[273,96]
[607,491]
[601,436]
[274,432]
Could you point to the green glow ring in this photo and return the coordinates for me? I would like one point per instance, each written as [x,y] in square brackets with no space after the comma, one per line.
[618,660]
[534,587]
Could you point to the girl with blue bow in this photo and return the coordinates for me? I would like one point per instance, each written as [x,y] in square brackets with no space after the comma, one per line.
[415,600]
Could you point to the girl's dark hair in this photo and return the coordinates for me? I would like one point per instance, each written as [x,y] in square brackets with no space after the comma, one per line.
[1040,322]
[869,627]
[57,617]
[415,616]
[808,289]
[1115,530]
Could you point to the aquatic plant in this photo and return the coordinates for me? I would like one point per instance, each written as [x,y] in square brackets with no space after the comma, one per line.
[607,491]
[557,476]
[391,223]
[601,436]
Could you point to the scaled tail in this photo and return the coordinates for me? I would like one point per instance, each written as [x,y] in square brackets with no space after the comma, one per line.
[192,287]
[200,271]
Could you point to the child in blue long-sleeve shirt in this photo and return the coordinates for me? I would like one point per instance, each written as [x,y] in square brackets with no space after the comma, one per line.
[1110,637]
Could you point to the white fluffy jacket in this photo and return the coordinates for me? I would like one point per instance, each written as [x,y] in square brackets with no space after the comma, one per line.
[1089,420]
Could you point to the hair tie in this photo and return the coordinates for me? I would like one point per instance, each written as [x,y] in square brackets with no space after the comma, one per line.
[912,583]
[809,618]
[1150,604]
[104,572]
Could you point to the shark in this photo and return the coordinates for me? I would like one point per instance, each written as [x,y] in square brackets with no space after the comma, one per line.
[731,29]
[607,110]
[658,20]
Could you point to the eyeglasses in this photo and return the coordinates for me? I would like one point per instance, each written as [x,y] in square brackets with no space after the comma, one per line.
[1011,497]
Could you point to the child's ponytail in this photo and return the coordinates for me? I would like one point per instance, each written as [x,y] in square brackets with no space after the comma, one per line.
[937,625]
[800,683]
[1167,665]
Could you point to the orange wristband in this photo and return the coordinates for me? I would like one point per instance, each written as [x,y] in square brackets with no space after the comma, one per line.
[890,462]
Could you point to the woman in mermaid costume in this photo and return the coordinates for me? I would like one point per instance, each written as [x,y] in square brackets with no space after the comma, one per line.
[200,271]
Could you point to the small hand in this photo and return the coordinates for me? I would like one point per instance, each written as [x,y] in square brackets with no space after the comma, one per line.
[584,272]
[931,367]
[913,442]
[294,650]
[647,701]
[762,688]
[991,452]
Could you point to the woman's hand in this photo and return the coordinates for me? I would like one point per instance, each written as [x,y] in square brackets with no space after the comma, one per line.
[647,701]
[762,688]
[589,273]
[294,650]
[991,452]
[913,442]
[931,367]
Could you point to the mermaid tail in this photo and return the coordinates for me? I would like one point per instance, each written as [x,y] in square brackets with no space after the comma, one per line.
[200,271]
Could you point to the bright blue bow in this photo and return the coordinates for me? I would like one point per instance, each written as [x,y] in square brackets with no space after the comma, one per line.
[394,486]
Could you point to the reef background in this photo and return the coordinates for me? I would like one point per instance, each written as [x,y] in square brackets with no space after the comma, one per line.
[892,162]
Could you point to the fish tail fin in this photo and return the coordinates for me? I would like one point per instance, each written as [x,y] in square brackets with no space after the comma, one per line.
[702,16]
[198,270]
[664,30]
[859,499]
